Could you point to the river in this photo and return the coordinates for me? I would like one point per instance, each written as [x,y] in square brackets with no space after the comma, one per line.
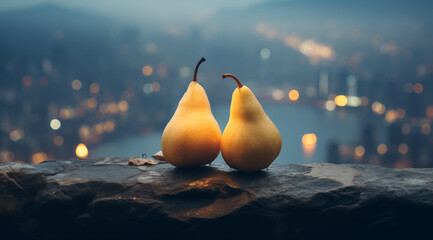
[293,121]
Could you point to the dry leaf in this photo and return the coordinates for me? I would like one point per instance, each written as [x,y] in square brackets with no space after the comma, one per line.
[159,156]
[141,161]
[136,161]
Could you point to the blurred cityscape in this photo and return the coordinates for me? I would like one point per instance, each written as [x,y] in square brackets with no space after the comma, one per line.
[71,78]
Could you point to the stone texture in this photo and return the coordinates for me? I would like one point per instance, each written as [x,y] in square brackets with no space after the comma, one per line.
[106,198]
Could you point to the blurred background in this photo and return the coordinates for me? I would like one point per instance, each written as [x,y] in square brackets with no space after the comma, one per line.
[344,81]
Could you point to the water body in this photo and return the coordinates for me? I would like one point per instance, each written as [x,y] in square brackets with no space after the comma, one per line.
[293,121]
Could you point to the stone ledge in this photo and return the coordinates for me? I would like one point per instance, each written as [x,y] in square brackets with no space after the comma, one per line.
[106,198]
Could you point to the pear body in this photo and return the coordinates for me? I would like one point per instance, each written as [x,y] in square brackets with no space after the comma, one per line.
[250,141]
[192,137]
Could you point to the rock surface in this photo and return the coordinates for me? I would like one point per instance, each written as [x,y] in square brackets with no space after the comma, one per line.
[106,198]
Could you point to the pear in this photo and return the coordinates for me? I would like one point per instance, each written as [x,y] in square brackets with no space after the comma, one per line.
[192,137]
[250,141]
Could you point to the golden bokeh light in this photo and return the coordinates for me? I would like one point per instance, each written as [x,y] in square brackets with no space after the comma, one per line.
[359,151]
[340,100]
[112,108]
[94,88]
[92,103]
[147,70]
[6,156]
[123,106]
[378,108]
[84,131]
[39,157]
[65,114]
[309,139]
[403,148]
[382,149]
[109,126]
[425,128]
[294,95]
[391,116]
[418,88]
[16,135]
[76,84]
[81,151]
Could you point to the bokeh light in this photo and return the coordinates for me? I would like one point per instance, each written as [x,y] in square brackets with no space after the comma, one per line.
[81,151]
[55,124]
[76,84]
[382,149]
[294,95]
[147,70]
[340,100]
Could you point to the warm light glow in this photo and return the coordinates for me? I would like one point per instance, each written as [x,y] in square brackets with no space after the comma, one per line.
[382,149]
[294,95]
[309,139]
[58,140]
[278,94]
[391,116]
[112,108]
[98,128]
[123,106]
[147,70]
[403,148]
[55,124]
[94,88]
[425,128]
[109,126]
[340,100]
[16,135]
[404,163]
[92,103]
[314,50]
[418,88]
[81,151]
[309,144]
[330,105]
[401,113]
[359,151]
[84,131]
[65,114]
[39,157]
[378,108]
[76,84]
[6,156]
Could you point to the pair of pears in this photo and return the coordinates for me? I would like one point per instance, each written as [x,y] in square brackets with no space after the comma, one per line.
[192,137]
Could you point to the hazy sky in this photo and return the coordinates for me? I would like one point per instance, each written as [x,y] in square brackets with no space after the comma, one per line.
[195,10]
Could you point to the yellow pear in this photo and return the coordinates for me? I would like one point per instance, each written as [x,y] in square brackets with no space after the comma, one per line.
[250,141]
[192,137]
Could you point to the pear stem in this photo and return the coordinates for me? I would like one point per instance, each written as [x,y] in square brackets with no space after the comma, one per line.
[235,78]
[196,68]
